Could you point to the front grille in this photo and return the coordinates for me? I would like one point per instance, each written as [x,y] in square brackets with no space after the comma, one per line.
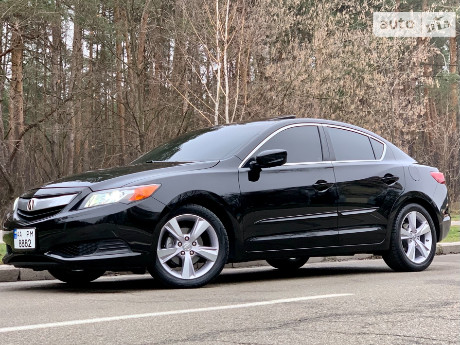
[43,205]
[35,215]
[91,248]
[112,246]
[78,249]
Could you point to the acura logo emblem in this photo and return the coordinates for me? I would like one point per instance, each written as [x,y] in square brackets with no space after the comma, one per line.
[30,205]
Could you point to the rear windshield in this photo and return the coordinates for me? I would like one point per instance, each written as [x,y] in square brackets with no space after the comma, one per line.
[208,144]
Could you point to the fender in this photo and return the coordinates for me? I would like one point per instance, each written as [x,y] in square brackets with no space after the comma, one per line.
[225,211]
[419,198]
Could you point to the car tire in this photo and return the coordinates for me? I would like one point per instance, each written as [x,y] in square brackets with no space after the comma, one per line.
[190,248]
[80,277]
[413,240]
[288,264]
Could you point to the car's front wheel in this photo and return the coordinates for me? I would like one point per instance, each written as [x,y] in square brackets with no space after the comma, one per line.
[79,277]
[288,264]
[413,240]
[190,247]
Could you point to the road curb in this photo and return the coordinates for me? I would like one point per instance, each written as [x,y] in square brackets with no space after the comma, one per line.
[448,248]
[11,274]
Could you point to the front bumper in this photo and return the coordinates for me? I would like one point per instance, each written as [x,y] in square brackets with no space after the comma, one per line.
[109,262]
[120,236]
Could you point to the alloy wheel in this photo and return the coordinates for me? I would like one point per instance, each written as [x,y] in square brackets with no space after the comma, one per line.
[416,237]
[188,246]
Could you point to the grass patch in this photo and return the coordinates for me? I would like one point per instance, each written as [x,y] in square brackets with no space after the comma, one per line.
[455,217]
[453,235]
[2,251]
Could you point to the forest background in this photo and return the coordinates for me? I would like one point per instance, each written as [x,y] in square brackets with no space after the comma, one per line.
[88,84]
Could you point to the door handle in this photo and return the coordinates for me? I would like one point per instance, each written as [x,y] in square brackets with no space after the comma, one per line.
[389,179]
[322,185]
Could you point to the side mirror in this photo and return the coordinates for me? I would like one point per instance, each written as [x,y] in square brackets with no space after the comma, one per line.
[266,159]
[271,158]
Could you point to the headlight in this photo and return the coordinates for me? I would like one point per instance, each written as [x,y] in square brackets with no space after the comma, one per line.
[124,195]
[15,205]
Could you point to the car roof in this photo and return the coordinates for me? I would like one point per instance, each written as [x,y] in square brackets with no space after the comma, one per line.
[282,121]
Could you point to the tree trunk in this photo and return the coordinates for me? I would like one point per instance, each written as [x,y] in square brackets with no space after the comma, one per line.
[119,86]
[16,101]
[3,153]
[89,117]
[74,92]
[56,34]
[131,97]
[245,68]
[140,75]
[219,66]
[454,86]
[427,115]
[226,43]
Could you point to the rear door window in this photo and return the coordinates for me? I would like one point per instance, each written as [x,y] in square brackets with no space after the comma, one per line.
[378,147]
[349,145]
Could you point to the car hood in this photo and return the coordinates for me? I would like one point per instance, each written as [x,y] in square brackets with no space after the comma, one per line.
[126,175]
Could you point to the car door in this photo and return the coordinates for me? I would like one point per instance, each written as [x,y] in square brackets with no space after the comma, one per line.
[294,205]
[368,184]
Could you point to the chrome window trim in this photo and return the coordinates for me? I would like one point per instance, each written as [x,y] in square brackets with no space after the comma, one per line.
[245,160]
[362,133]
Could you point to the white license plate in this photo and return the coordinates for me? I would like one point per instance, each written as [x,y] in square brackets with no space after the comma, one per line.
[24,238]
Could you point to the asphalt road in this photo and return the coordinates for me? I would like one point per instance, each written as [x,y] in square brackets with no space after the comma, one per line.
[353,302]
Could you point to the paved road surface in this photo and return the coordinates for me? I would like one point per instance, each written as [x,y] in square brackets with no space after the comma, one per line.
[353,302]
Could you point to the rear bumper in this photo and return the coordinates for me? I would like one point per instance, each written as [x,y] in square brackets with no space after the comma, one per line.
[444,227]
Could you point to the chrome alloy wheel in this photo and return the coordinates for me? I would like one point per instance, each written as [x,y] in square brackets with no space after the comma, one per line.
[416,237]
[188,246]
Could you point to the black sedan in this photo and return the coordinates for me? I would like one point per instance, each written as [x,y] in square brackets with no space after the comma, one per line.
[282,190]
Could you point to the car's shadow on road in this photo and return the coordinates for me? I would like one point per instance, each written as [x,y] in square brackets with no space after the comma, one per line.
[123,283]
[270,274]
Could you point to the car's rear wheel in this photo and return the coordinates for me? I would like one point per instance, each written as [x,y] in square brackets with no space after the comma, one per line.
[288,264]
[190,247]
[413,240]
[78,277]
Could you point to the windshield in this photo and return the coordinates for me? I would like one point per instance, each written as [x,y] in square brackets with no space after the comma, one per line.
[208,144]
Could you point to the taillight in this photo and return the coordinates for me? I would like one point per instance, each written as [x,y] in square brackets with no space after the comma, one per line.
[439,177]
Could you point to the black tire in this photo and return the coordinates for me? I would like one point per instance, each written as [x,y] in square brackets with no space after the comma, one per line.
[80,277]
[288,264]
[170,273]
[396,257]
